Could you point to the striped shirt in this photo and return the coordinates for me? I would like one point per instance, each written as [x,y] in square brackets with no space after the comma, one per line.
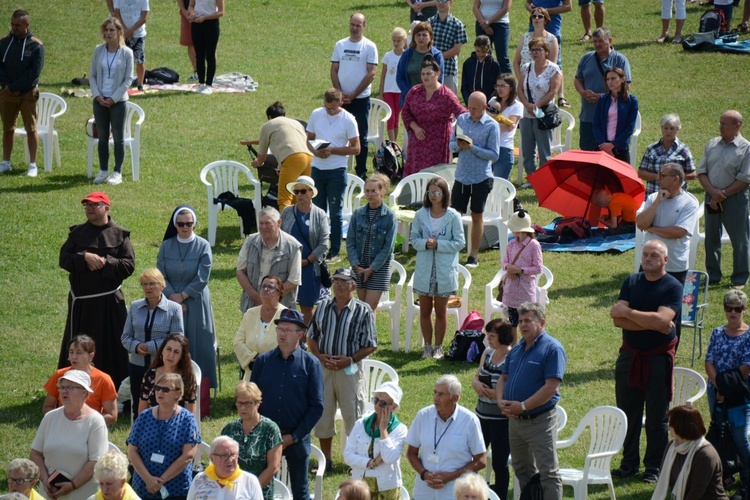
[344,333]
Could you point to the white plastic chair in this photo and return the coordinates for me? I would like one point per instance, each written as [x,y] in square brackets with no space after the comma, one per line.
[132,135]
[689,387]
[203,449]
[377,122]
[49,108]
[404,493]
[113,447]
[416,186]
[351,201]
[219,177]
[412,309]
[283,474]
[496,213]
[558,145]
[393,305]
[493,495]
[280,491]
[544,281]
[198,377]
[608,426]
[376,373]
[634,160]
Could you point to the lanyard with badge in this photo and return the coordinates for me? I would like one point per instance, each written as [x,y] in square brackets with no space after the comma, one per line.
[158,456]
[147,334]
[108,81]
[434,457]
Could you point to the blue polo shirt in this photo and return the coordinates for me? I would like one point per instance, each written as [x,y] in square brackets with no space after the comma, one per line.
[528,370]
[292,389]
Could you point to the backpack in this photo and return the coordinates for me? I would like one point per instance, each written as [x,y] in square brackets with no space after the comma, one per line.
[163,75]
[533,489]
[468,343]
[712,20]
[388,160]
[573,227]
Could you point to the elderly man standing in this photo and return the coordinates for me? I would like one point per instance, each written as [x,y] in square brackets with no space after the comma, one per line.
[724,172]
[291,381]
[99,257]
[341,335]
[269,252]
[589,81]
[223,478]
[334,132]
[527,394]
[445,441]
[476,138]
[288,140]
[353,66]
[646,309]
[20,67]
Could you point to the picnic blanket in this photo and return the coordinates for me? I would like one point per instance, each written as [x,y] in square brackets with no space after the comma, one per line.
[597,243]
[231,83]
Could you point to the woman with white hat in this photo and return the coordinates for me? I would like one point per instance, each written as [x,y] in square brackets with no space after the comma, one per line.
[374,447]
[522,262]
[311,227]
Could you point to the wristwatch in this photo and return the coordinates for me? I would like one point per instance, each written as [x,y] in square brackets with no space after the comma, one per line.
[523,406]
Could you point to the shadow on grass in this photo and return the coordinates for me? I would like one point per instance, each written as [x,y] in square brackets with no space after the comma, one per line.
[49,183]
[376,5]
[607,372]
[23,415]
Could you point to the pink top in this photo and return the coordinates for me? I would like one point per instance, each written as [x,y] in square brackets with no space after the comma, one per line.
[520,288]
[434,116]
[612,120]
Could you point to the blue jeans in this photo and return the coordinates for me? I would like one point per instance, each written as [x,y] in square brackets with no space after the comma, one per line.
[331,185]
[113,117]
[297,461]
[504,164]
[360,108]
[500,39]
[739,433]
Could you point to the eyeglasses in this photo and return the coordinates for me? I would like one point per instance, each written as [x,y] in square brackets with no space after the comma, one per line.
[67,388]
[269,288]
[380,402]
[228,456]
[300,191]
[245,404]
[161,388]
[149,284]
[502,86]
[435,193]
[537,16]
[185,224]
[93,205]
[662,175]
[730,309]
[287,330]
[19,482]
[537,49]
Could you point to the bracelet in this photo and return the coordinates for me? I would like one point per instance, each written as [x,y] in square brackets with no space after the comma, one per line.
[73,484]
[421,476]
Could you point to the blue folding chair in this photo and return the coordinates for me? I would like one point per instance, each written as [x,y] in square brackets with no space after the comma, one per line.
[694,304]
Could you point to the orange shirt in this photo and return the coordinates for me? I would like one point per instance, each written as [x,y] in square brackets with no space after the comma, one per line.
[101,383]
[623,205]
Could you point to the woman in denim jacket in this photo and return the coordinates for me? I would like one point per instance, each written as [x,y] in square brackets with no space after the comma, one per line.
[369,245]
[438,235]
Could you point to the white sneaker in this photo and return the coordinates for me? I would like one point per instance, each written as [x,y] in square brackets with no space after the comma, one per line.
[438,353]
[206,90]
[5,166]
[101,177]
[193,77]
[33,171]
[427,353]
[115,179]
[199,90]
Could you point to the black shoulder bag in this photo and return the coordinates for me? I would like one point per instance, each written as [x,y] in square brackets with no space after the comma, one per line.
[325,274]
[551,118]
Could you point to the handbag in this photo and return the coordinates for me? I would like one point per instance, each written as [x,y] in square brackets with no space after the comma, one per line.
[720,436]
[551,118]
[325,274]
[500,291]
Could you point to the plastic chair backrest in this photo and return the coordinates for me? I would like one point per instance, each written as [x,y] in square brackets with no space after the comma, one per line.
[376,121]
[500,200]
[203,449]
[198,378]
[49,107]
[689,386]
[281,491]
[634,160]
[558,144]
[350,201]
[133,130]
[608,426]
[376,373]
[223,175]
[416,185]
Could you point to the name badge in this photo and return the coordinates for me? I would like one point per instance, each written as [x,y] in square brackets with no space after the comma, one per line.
[434,458]
[157,458]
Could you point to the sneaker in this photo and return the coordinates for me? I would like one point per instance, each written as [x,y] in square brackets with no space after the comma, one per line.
[427,353]
[5,166]
[115,179]
[472,262]
[526,185]
[206,90]
[624,473]
[193,77]
[140,88]
[33,171]
[200,88]
[438,352]
[650,475]
[101,177]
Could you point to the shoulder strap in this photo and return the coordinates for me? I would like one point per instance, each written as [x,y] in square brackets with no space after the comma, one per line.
[528,89]
[599,63]
[523,247]
[296,221]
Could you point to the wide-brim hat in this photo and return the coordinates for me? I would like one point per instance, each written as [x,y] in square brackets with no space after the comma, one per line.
[520,222]
[79,377]
[291,316]
[305,180]
[393,390]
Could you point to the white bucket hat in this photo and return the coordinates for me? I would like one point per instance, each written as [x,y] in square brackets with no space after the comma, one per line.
[79,377]
[305,180]
[393,390]
[520,222]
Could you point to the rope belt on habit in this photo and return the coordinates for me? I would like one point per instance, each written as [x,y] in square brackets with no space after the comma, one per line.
[83,297]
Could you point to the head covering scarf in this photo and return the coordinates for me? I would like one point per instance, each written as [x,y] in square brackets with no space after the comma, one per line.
[171,231]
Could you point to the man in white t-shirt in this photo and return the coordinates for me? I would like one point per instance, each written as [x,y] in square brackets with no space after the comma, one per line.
[333,131]
[133,15]
[353,66]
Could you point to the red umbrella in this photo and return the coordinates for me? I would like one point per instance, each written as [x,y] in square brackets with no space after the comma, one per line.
[565,184]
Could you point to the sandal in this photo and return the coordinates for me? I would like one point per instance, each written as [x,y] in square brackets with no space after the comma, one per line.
[677,39]
[585,38]
[742,28]
[662,38]
[563,103]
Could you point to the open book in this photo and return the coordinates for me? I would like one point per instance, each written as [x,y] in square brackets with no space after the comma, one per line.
[319,144]
[463,137]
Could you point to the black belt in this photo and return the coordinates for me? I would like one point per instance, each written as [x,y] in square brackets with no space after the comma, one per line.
[533,416]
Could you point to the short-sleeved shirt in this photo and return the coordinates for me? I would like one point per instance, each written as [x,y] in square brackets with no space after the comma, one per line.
[155,438]
[454,441]
[285,136]
[648,296]
[555,20]
[539,85]
[447,34]
[656,157]
[593,79]
[246,486]
[130,11]
[515,109]
[148,394]
[728,353]
[623,205]
[344,333]
[529,369]
[680,211]
[101,383]
[725,162]
[391,60]
[354,59]
[338,129]
[254,446]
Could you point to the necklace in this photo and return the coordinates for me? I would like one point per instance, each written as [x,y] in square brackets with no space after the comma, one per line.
[182,257]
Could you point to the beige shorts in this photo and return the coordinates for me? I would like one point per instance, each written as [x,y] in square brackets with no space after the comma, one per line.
[346,390]
[11,105]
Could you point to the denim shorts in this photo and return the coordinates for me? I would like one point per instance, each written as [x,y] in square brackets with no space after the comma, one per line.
[138,46]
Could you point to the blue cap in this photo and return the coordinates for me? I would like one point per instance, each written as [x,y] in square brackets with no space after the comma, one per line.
[291,316]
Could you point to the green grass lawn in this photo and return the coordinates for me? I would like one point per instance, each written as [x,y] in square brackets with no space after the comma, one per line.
[286,47]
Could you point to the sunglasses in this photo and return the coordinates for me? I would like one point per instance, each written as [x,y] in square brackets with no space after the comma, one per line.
[537,16]
[733,309]
[269,288]
[300,191]
[185,224]
[435,193]
[380,402]
[663,175]
[161,388]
